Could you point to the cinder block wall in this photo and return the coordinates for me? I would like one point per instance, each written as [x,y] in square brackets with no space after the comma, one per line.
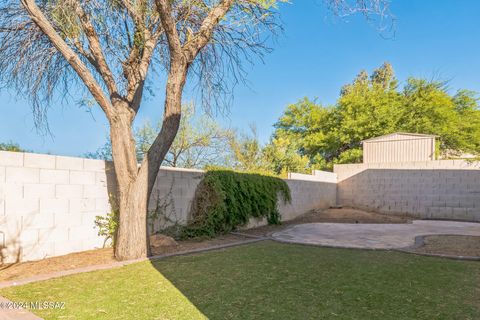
[175,189]
[48,203]
[442,189]
[306,195]
[172,196]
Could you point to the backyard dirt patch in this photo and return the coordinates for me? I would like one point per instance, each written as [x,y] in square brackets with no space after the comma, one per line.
[451,245]
[100,257]
[195,244]
[341,215]
[60,263]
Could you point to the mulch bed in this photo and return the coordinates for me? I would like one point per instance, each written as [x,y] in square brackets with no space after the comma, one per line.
[450,245]
[67,262]
[100,257]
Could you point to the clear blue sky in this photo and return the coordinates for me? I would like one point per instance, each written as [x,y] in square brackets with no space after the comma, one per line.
[314,58]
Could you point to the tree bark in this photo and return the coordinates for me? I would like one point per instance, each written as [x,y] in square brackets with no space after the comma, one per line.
[131,242]
[135,184]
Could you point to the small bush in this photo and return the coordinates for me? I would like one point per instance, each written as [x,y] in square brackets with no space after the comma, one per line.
[226,199]
[107,227]
[10,146]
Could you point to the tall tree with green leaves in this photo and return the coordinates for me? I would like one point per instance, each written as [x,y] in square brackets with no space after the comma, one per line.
[247,152]
[111,49]
[374,105]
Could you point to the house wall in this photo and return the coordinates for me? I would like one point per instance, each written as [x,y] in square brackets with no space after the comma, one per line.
[442,189]
[48,203]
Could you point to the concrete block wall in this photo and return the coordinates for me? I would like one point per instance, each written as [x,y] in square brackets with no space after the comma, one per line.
[442,189]
[48,204]
[172,197]
[175,189]
[317,175]
[306,195]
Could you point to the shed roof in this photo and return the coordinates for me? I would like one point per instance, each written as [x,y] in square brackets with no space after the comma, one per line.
[400,134]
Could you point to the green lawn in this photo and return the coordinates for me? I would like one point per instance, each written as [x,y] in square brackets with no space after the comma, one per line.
[269,280]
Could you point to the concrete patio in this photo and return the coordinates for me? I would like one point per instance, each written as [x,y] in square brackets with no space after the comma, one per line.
[372,236]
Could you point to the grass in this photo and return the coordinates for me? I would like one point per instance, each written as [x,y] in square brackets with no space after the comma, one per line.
[269,280]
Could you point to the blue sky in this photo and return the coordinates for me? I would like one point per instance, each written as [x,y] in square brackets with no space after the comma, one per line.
[316,55]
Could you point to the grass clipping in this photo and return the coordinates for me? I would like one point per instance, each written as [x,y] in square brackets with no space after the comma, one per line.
[226,199]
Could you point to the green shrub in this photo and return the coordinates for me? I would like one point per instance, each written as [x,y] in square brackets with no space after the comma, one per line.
[107,227]
[226,199]
[10,146]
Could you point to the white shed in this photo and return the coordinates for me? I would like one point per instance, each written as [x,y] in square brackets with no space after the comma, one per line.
[399,147]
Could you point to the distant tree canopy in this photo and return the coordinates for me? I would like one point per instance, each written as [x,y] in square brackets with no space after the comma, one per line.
[275,158]
[200,142]
[373,105]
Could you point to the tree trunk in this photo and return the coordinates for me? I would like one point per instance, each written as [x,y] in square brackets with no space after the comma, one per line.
[135,184]
[132,196]
[132,240]
[171,120]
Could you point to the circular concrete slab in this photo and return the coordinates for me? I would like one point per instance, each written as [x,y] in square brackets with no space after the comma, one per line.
[372,236]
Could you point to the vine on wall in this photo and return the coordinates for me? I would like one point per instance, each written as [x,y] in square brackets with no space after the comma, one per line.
[226,199]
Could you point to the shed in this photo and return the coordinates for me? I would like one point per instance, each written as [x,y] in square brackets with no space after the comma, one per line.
[399,147]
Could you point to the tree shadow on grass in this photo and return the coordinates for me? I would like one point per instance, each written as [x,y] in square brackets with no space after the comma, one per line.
[269,280]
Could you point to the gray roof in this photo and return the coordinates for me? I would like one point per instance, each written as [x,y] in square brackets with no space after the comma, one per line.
[420,135]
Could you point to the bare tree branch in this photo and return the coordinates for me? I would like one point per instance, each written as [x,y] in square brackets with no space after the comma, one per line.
[204,35]
[169,25]
[96,49]
[42,22]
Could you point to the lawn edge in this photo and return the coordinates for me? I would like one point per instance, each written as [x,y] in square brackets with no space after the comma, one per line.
[408,250]
[118,264]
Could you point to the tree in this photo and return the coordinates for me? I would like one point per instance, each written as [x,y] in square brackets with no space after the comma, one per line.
[200,142]
[282,158]
[110,47]
[247,152]
[374,105]
[429,108]
[102,153]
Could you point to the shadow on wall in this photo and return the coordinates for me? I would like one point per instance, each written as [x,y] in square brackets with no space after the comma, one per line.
[50,205]
[163,215]
[423,193]
[170,201]
[12,247]
[161,209]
